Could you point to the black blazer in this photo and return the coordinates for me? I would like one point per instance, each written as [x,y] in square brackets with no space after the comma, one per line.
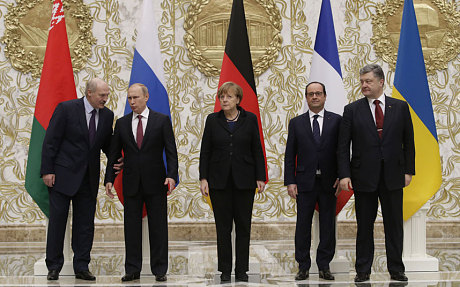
[66,151]
[303,155]
[145,164]
[239,152]
[396,148]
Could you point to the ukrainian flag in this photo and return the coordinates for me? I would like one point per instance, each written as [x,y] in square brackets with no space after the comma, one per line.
[411,85]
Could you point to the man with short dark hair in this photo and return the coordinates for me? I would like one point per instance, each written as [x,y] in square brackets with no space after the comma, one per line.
[70,167]
[310,175]
[143,135]
[379,130]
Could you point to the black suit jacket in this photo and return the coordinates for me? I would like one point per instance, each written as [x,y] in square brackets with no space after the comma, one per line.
[146,164]
[66,151]
[396,148]
[303,155]
[238,151]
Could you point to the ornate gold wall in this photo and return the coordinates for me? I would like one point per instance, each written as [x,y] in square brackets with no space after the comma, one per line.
[367,32]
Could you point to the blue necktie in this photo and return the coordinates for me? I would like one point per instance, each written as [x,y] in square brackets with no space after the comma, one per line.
[316,135]
[92,127]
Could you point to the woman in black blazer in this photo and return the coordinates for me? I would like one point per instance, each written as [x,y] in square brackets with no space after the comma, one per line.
[232,166]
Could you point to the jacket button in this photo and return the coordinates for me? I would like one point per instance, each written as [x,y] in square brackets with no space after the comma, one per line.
[231,144]
[231,153]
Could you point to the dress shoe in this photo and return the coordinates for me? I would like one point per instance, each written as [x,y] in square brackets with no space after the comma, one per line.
[225,277]
[161,278]
[243,277]
[398,276]
[326,274]
[85,275]
[302,275]
[53,275]
[362,277]
[131,277]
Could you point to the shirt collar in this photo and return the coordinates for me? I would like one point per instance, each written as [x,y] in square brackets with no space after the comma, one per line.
[311,114]
[88,107]
[144,114]
[381,99]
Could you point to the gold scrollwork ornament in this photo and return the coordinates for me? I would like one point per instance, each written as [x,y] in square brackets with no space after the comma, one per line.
[439,27]
[26,33]
[206,25]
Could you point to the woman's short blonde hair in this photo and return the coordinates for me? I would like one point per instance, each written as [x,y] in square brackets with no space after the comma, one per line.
[228,86]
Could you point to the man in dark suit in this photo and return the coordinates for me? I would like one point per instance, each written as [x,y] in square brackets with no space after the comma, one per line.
[70,167]
[310,175]
[143,135]
[379,129]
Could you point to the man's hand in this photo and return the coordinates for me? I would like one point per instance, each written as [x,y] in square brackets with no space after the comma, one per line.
[292,190]
[171,183]
[49,179]
[408,179]
[345,184]
[204,187]
[337,187]
[260,186]
[118,166]
[108,189]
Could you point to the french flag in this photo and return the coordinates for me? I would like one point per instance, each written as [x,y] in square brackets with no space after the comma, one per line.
[325,68]
[147,69]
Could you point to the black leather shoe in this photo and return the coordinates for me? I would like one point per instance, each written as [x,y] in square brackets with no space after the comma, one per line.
[131,277]
[225,277]
[243,277]
[161,278]
[362,277]
[85,275]
[302,275]
[53,275]
[398,276]
[326,275]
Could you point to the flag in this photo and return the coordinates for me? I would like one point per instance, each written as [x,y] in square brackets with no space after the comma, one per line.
[147,69]
[325,68]
[237,66]
[56,85]
[411,85]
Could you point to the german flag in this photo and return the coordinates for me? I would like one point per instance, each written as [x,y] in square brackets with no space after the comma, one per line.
[237,66]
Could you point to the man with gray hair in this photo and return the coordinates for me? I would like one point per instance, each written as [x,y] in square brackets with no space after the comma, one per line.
[380,132]
[70,167]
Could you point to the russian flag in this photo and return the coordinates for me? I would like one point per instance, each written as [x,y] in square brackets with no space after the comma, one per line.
[325,68]
[147,69]
[411,85]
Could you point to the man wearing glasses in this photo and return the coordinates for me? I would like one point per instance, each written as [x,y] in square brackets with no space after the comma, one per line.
[310,175]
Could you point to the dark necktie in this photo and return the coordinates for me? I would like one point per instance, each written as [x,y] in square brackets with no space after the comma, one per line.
[140,132]
[92,127]
[316,135]
[378,117]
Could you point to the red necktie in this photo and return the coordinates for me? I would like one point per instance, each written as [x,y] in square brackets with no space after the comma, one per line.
[378,117]
[140,132]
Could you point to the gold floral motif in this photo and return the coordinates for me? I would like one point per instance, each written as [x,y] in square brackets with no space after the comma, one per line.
[206,26]
[26,33]
[439,27]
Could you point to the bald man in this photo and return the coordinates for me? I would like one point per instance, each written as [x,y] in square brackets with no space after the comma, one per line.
[77,132]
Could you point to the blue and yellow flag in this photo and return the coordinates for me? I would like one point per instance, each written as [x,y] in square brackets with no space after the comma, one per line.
[411,85]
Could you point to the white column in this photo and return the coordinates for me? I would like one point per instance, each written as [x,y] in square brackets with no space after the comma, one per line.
[414,248]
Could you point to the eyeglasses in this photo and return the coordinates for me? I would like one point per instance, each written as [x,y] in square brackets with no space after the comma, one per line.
[311,94]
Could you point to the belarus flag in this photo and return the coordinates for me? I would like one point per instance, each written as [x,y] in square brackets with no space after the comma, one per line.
[325,68]
[56,85]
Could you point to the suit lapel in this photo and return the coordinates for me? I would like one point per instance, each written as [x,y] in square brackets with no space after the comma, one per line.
[222,121]
[82,119]
[307,124]
[365,111]
[148,129]
[388,116]
[127,124]
[325,128]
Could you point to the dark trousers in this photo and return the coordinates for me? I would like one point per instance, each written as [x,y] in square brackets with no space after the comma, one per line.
[84,207]
[232,205]
[306,202]
[366,204]
[156,205]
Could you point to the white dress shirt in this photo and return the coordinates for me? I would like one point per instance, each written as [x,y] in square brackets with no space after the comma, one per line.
[135,122]
[320,120]
[88,109]
[372,106]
